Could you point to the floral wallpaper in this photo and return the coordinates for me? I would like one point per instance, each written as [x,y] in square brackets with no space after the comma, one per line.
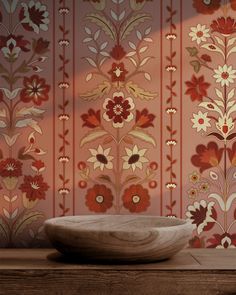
[117,107]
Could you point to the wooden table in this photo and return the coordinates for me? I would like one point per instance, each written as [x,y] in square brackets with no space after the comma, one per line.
[44,271]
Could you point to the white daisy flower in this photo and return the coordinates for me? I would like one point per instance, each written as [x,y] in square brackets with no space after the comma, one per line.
[199,33]
[225,75]
[200,121]
[100,158]
[134,159]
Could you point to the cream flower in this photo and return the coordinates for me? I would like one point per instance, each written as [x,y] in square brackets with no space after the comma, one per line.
[225,124]
[200,121]
[225,75]
[134,159]
[100,158]
[199,33]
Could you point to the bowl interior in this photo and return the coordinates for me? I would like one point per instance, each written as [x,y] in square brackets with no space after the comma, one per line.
[109,222]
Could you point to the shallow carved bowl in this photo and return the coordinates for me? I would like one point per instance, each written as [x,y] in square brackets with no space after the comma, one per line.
[118,237]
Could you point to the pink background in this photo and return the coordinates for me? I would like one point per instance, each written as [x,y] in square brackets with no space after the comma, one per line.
[167,191]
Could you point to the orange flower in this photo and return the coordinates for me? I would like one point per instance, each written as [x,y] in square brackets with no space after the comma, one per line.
[136,198]
[99,198]
[207,156]
[144,119]
[92,119]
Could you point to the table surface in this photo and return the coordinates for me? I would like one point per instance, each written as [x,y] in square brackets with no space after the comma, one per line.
[204,271]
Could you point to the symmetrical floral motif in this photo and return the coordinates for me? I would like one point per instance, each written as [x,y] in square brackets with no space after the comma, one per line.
[119,123]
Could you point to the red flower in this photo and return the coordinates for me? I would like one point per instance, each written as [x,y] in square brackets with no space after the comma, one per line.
[206,7]
[34,187]
[197,88]
[10,168]
[225,240]
[117,52]
[92,119]
[223,25]
[38,166]
[207,156]
[118,109]
[232,154]
[99,198]
[118,72]
[136,198]
[233,4]
[144,119]
[34,16]
[40,46]
[35,90]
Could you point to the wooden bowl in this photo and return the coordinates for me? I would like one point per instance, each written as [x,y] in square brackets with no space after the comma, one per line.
[118,237]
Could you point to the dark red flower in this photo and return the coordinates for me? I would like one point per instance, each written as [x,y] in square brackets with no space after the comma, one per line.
[118,109]
[34,187]
[144,119]
[34,16]
[207,156]
[117,52]
[206,7]
[136,198]
[118,72]
[1,95]
[223,25]
[197,88]
[99,198]
[225,240]
[232,154]
[206,58]
[92,119]
[10,168]
[40,46]
[197,242]
[35,89]
[233,4]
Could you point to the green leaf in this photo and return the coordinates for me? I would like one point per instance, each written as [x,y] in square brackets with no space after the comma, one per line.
[25,220]
[196,65]
[98,92]
[144,136]
[193,51]
[103,23]
[3,229]
[131,23]
[92,135]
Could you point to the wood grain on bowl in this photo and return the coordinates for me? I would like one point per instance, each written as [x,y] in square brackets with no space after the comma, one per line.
[119,237]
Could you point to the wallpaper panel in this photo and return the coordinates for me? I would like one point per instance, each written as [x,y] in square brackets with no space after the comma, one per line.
[117,107]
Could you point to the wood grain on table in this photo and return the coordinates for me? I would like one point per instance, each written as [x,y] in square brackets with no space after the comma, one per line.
[44,271]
